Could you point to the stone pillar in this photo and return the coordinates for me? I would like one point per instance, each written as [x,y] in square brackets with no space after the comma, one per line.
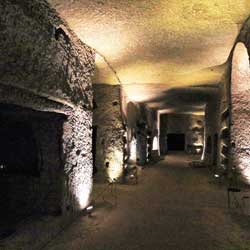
[110,131]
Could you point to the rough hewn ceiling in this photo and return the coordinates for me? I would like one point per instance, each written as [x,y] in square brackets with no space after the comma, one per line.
[168,43]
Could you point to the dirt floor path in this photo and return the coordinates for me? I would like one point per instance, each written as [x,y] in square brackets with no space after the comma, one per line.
[174,207]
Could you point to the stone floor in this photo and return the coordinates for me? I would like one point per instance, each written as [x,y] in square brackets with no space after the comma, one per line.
[174,207]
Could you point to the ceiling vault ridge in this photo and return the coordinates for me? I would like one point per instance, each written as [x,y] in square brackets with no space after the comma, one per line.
[109,65]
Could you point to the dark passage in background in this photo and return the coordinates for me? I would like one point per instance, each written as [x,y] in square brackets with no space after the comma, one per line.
[176,142]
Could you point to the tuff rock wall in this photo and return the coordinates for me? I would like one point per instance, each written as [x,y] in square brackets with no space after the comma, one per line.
[45,67]
[235,109]
[240,104]
[40,53]
[110,131]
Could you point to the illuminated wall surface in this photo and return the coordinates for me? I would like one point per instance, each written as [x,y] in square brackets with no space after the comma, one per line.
[77,147]
[240,130]
[107,119]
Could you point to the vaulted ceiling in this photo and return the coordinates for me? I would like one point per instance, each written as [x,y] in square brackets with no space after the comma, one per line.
[154,45]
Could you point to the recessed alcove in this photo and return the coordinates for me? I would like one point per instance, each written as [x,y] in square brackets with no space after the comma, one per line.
[30,164]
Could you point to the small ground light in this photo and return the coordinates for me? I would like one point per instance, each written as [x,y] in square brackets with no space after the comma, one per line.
[216,176]
[90,208]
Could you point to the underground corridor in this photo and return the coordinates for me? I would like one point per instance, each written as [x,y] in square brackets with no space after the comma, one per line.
[124,125]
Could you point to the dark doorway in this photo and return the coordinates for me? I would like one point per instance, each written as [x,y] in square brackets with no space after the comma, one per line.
[176,142]
[30,165]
